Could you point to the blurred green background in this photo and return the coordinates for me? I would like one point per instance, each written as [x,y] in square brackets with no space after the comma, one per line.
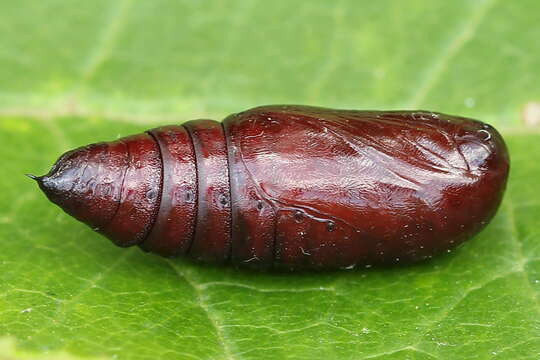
[74,72]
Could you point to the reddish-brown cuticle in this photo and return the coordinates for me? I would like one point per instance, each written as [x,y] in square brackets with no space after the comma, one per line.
[353,187]
[291,186]
[173,230]
[139,201]
[212,238]
[113,187]
[87,182]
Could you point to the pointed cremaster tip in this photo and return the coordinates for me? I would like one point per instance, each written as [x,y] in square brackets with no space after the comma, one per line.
[86,182]
[34,177]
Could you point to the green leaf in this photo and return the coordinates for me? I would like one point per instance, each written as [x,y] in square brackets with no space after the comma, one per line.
[75,72]
[9,352]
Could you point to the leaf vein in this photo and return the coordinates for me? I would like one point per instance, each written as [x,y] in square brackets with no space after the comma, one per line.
[201,300]
[440,64]
[523,260]
[107,39]
[63,305]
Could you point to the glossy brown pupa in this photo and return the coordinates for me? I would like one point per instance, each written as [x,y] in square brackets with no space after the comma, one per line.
[290,186]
